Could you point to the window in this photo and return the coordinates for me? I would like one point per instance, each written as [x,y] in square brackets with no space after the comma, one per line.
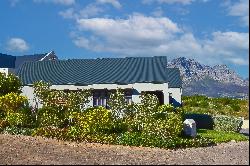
[100,98]
[128,96]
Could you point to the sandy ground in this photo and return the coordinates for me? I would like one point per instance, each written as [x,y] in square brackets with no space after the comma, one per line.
[37,150]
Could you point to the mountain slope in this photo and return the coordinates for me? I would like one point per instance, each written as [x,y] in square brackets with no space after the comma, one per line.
[216,81]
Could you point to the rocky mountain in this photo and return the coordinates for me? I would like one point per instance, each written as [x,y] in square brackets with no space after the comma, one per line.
[216,81]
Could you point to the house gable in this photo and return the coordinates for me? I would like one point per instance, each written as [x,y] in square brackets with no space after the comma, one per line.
[15,62]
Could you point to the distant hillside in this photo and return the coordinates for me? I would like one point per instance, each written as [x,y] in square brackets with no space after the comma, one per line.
[216,81]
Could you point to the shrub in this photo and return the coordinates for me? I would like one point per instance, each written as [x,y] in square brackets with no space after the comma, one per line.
[52,132]
[75,133]
[2,114]
[101,138]
[165,108]
[227,123]
[51,116]
[3,125]
[22,118]
[41,91]
[221,136]
[94,120]
[117,104]
[142,139]
[9,83]
[11,102]
[72,101]
[171,126]
[143,113]
[18,131]
[152,119]
[19,119]
[216,106]
[235,108]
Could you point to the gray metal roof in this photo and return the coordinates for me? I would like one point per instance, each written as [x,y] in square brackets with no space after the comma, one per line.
[14,62]
[100,71]
[174,77]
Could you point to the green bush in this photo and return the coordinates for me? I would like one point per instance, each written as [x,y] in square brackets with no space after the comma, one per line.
[171,126]
[140,139]
[75,133]
[52,132]
[152,119]
[95,120]
[21,118]
[18,131]
[71,100]
[117,104]
[221,136]
[235,108]
[227,123]
[101,138]
[9,83]
[11,102]
[143,113]
[51,116]
[216,106]
[2,114]
[3,125]
[165,108]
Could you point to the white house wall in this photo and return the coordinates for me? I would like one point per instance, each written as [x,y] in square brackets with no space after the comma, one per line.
[4,70]
[176,93]
[139,87]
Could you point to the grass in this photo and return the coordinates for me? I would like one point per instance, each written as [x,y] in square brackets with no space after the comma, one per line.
[221,136]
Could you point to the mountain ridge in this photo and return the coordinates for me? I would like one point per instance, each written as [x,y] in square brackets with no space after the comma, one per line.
[211,81]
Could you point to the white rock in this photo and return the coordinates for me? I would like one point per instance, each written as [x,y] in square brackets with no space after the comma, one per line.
[189,126]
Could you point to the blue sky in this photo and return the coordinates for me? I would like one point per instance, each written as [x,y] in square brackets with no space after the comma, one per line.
[209,31]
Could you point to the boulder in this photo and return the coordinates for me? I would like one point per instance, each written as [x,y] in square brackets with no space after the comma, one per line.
[189,126]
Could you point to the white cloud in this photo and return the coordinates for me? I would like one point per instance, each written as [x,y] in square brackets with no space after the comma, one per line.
[240,9]
[139,35]
[239,61]
[114,3]
[17,44]
[90,10]
[183,2]
[81,42]
[136,26]
[61,2]
[68,14]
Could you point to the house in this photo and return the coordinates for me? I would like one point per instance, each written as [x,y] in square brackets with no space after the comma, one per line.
[11,64]
[133,74]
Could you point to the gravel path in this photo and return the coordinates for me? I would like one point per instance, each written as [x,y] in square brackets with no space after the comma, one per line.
[37,150]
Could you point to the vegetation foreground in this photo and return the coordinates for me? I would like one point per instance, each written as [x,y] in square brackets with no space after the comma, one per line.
[67,116]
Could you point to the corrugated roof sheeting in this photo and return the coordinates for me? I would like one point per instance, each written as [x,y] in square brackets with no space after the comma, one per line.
[14,62]
[97,71]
